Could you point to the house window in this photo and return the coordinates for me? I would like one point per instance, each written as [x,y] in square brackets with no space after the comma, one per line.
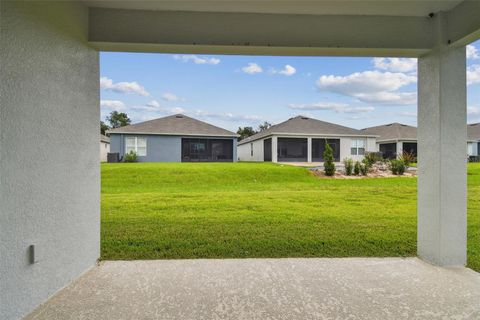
[251,149]
[358,147]
[470,148]
[137,145]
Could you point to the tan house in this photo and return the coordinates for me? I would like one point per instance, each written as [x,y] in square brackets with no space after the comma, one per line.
[104,147]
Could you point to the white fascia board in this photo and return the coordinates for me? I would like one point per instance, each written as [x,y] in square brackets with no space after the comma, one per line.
[174,134]
[259,33]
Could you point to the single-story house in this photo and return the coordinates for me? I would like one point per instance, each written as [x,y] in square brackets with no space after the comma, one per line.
[104,147]
[394,139]
[303,139]
[473,143]
[176,138]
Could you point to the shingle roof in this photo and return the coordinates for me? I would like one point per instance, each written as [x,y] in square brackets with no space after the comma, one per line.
[393,131]
[473,131]
[398,131]
[177,124]
[307,126]
[104,138]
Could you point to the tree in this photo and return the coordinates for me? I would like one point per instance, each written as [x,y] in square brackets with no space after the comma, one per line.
[245,132]
[264,126]
[103,127]
[328,160]
[118,119]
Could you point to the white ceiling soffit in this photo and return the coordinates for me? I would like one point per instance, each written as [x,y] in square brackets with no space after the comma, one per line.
[416,8]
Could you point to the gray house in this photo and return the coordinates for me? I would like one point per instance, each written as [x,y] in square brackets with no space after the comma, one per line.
[394,139]
[473,143]
[176,138]
[303,139]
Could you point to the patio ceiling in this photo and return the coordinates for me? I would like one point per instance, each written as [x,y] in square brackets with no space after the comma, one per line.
[317,7]
[345,28]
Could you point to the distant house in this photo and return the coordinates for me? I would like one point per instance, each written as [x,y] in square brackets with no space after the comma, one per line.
[394,138]
[473,144]
[104,147]
[176,138]
[303,139]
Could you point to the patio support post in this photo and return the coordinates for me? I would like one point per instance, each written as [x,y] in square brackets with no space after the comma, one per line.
[309,150]
[274,149]
[442,180]
[399,148]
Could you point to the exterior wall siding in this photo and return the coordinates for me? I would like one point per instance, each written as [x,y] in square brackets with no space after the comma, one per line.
[50,176]
[345,145]
[160,148]
[104,150]
[244,151]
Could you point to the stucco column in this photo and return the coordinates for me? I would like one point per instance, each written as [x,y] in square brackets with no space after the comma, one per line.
[309,150]
[399,148]
[274,149]
[442,180]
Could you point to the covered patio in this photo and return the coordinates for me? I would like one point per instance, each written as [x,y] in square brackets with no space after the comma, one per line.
[341,288]
[50,213]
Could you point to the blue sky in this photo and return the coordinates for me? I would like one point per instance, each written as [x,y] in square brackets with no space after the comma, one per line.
[232,91]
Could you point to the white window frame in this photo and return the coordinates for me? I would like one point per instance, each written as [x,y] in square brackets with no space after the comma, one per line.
[136,148]
[470,148]
[356,145]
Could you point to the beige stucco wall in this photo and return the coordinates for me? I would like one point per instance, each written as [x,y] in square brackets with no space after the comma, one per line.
[49,159]
[104,150]
[244,151]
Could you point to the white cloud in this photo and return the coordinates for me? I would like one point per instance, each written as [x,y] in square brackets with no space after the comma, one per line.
[226,116]
[473,111]
[371,86]
[123,87]
[472,52]
[396,64]
[391,98]
[252,68]
[473,74]
[167,96]
[333,106]
[196,59]
[411,114]
[112,105]
[319,106]
[154,104]
[176,110]
[358,109]
[288,70]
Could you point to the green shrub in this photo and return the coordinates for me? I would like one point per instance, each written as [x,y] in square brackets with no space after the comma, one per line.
[130,157]
[397,167]
[407,158]
[328,160]
[364,169]
[357,168]
[371,158]
[348,162]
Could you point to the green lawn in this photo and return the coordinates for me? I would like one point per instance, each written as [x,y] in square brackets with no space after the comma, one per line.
[239,210]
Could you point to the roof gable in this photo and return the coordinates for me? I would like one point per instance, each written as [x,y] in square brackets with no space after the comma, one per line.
[177,124]
[393,131]
[307,126]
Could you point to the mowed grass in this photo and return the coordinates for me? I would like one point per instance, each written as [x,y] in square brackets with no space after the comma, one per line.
[240,210]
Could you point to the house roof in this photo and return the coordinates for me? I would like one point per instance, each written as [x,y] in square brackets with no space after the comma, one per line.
[398,131]
[393,131]
[307,126]
[473,131]
[177,124]
[104,138]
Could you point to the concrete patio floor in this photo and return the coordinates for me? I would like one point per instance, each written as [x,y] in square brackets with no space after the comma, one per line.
[336,288]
